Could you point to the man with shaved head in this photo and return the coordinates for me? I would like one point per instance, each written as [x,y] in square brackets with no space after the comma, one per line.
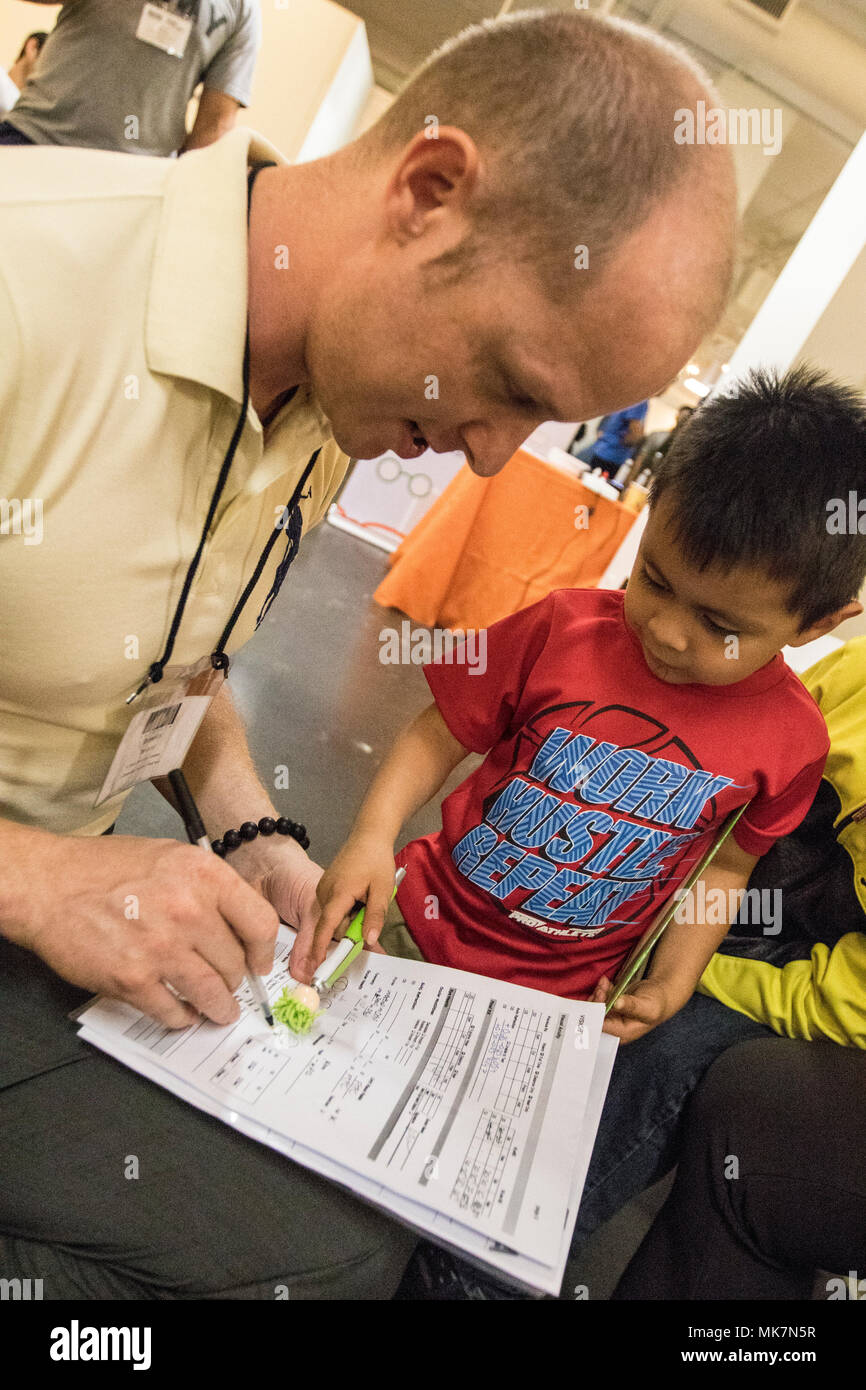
[446,241]
[178,369]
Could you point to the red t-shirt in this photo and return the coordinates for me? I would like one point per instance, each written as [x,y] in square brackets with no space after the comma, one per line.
[602,787]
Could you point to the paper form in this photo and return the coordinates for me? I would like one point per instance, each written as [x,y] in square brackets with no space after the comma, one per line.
[518,1269]
[460,1093]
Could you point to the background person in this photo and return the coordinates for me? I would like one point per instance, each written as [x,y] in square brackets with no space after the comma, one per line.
[12,83]
[617,439]
[106,79]
[653,447]
[770,1185]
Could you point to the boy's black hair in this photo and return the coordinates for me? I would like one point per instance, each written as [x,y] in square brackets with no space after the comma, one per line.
[752,479]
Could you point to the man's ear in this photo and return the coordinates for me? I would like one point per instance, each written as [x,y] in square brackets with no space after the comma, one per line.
[827,624]
[432,174]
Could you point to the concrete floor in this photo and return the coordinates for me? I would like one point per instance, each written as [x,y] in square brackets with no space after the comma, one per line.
[317,699]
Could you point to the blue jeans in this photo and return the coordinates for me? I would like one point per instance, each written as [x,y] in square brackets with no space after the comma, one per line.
[652,1080]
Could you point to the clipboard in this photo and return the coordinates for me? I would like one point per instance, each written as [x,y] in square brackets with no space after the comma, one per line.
[636,962]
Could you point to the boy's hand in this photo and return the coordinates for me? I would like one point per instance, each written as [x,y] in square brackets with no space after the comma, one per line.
[362,871]
[647,1004]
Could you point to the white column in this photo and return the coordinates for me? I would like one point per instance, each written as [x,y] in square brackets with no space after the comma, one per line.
[819,263]
[620,566]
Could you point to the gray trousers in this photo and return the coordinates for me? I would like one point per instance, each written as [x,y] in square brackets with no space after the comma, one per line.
[210,1214]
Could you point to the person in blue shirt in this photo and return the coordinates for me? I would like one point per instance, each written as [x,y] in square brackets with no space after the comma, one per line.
[617,438]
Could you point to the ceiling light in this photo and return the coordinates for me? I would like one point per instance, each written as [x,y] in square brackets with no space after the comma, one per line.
[700,388]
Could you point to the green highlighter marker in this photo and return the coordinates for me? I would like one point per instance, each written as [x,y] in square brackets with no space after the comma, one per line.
[350,947]
[299,1008]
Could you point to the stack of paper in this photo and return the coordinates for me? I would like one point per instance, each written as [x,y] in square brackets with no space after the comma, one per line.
[464,1106]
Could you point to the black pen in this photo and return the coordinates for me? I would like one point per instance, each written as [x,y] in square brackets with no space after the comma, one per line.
[198,836]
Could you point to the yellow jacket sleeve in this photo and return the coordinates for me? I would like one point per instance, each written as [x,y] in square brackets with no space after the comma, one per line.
[823,996]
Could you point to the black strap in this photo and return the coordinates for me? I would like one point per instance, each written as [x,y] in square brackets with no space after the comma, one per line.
[219,659]
[155,672]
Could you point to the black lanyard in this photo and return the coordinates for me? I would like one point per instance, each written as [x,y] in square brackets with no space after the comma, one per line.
[289,522]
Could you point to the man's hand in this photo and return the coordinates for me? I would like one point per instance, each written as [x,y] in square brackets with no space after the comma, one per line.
[140,919]
[362,871]
[647,1004]
[291,887]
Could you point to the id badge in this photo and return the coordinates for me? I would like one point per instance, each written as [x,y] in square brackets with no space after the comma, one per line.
[164,29]
[160,734]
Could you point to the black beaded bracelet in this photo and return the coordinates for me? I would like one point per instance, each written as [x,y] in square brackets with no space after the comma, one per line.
[233,839]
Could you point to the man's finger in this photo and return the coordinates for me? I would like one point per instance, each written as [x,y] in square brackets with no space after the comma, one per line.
[159,1003]
[195,978]
[314,944]
[251,917]
[222,951]
[300,952]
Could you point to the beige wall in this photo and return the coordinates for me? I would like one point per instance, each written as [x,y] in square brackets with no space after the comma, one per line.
[314,65]
[17,21]
[376,105]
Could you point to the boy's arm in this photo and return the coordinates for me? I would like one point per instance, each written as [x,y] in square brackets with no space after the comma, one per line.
[422,757]
[682,954]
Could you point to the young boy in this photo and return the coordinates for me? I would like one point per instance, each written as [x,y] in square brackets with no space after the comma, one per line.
[622,729]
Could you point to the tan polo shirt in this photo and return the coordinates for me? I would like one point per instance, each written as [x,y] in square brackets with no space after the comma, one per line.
[123,292]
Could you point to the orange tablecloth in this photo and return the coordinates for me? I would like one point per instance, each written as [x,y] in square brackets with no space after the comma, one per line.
[491,546]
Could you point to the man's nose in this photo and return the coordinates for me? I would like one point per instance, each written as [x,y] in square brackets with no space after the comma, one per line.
[492,446]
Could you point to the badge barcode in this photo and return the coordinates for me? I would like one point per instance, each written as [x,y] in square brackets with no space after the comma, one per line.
[161,717]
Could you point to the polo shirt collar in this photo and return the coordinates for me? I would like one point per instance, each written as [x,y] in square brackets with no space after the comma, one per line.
[197,299]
